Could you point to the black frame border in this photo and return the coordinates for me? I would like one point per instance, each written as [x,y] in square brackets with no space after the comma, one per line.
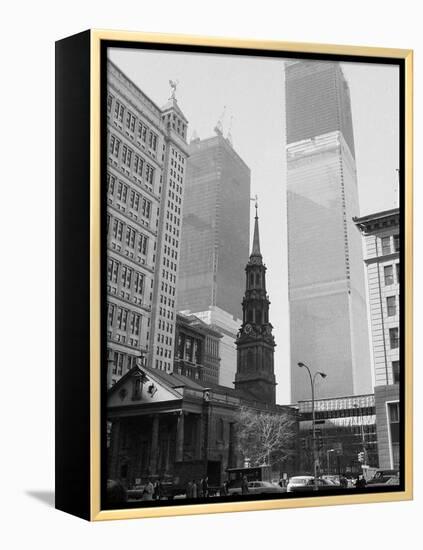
[245,52]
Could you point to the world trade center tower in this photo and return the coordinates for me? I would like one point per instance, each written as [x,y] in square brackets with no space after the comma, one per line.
[328,315]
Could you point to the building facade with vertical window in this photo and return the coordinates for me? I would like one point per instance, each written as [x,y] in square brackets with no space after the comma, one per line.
[146,163]
[328,314]
[381,235]
[197,353]
[228,326]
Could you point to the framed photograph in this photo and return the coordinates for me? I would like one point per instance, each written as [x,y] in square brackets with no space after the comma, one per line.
[233,275]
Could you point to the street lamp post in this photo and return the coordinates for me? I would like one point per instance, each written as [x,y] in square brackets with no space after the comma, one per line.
[363,438]
[327,456]
[313,416]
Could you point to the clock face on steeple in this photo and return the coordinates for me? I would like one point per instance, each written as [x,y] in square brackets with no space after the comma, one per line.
[248,328]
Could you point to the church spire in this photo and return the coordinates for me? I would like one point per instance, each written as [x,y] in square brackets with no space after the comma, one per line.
[256,238]
[255,256]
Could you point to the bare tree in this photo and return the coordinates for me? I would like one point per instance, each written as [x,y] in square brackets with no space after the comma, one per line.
[265,438]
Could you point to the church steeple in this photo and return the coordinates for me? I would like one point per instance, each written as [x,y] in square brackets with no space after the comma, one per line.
[255,341]
[255,252]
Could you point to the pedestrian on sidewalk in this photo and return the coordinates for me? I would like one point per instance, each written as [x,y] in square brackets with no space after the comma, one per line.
[157,495]
[224,489]
[360,482]
[244,485]
[148,491]
[205,485]
[199,488]
[343,481]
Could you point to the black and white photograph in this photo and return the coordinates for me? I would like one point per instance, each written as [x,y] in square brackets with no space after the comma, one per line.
[253,253]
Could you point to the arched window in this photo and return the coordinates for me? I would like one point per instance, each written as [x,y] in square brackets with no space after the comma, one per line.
[257,279]
[251,279]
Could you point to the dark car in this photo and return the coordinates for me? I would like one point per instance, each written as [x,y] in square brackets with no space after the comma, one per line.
[136,492]
[382,477]
[116,492]
[263,487]
[301,484]
[256,488]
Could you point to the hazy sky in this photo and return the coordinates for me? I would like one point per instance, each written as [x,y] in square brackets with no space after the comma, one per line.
[252,89]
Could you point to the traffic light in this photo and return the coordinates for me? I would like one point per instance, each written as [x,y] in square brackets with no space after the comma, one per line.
[361,456]
[319,439]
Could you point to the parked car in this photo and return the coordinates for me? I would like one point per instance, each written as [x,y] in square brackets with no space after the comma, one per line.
[116,493]
[169,489]
[332,478]
[299,484]
[255,488]
[261,487]
[381,477]
[136,492]
[394,480]
[234,487]
[384,481]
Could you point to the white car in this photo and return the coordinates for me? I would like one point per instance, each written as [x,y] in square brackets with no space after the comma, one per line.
[300,484]
[332,478]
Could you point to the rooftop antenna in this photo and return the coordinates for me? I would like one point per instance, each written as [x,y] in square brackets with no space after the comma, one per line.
[219,126]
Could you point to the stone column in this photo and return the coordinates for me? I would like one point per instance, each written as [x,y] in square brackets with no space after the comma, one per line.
[194,349]
[114,448]
[167,460]
[180,437]
[154,444]
[232,446]
[181,350]
[199,438]
[184,347]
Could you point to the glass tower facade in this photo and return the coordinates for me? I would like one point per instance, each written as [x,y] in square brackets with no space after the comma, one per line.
[215,228]
[328,317]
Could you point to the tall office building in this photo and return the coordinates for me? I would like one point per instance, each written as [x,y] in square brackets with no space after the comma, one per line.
[381,232]
[215,242]
[328,316]
[146,164]
[215,228]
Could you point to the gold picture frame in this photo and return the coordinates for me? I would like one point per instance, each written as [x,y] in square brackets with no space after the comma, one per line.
[87,503]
